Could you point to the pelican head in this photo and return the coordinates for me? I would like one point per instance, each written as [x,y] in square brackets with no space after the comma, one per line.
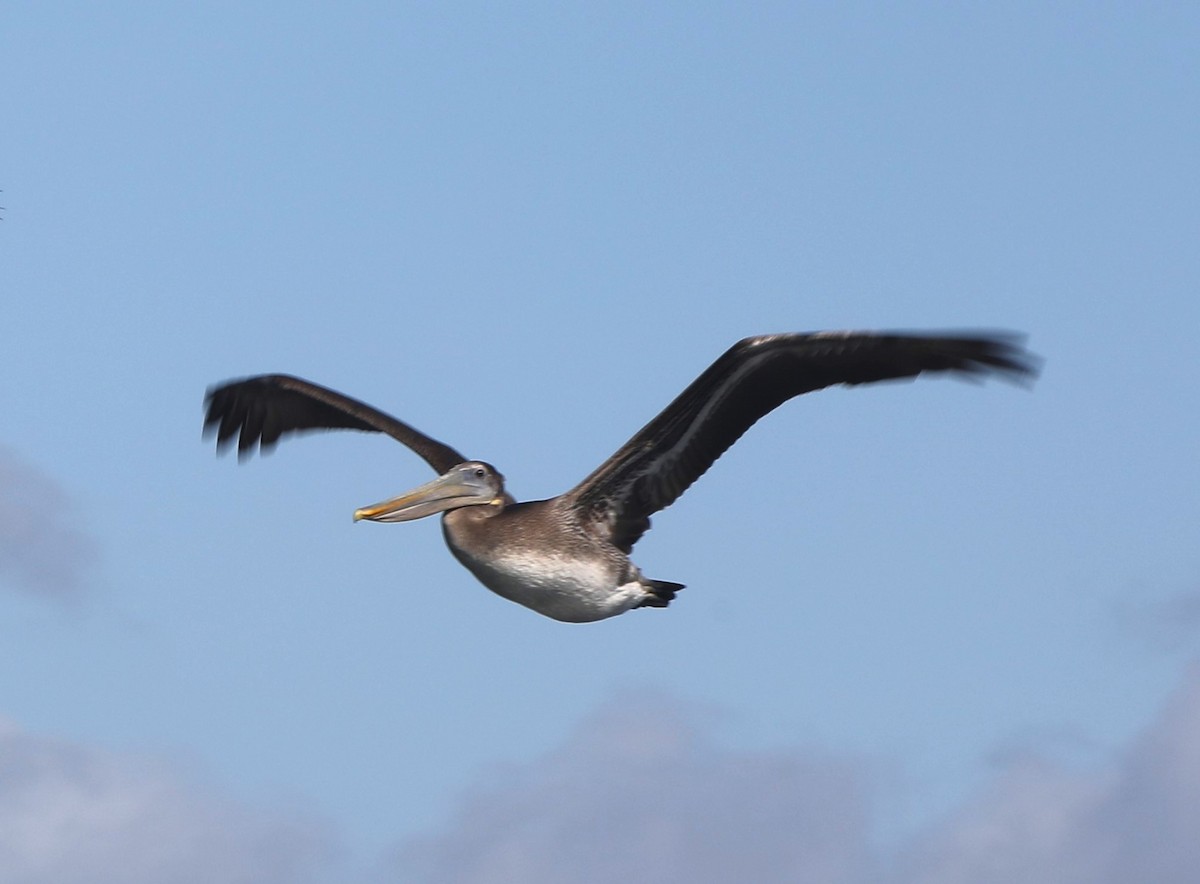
[473,483]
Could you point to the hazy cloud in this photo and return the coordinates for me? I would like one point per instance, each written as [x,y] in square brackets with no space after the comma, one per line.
[640,793]
[73,815]
[41,551]
[1135,820]
[1170,623]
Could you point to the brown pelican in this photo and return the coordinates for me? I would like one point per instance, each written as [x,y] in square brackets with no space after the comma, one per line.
[568,557]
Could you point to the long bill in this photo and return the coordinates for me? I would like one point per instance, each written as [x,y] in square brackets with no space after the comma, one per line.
[446,492]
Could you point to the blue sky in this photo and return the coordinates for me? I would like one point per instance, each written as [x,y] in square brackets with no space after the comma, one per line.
[915,613]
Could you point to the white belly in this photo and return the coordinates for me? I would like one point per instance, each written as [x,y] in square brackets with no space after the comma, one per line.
[573,590]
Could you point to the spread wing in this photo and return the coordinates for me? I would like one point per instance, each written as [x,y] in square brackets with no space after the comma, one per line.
[260,410]
[755,376]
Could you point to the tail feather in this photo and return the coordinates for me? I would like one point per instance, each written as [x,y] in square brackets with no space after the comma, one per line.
[662,593]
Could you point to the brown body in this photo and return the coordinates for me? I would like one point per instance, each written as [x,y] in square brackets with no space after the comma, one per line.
[568,557]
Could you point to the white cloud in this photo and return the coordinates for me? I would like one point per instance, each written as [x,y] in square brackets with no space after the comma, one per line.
[41,551]
[74,815]
[1138,819]
[640,793]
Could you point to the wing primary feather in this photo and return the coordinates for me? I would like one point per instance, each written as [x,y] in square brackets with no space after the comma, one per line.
[261,410]
[651,470]
[751,379]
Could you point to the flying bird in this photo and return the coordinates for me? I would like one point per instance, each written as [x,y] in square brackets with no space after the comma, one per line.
[568,557]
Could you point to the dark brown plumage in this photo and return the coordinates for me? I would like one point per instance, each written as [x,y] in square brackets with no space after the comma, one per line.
[583,537]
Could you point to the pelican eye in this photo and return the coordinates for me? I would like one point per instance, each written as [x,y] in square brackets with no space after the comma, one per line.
[480,472]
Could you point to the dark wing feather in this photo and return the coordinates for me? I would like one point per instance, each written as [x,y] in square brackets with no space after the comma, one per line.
[753,377]
[262,409]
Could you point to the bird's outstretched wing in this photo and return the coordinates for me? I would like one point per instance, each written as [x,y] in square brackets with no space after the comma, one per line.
[753,377]
[259,410]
